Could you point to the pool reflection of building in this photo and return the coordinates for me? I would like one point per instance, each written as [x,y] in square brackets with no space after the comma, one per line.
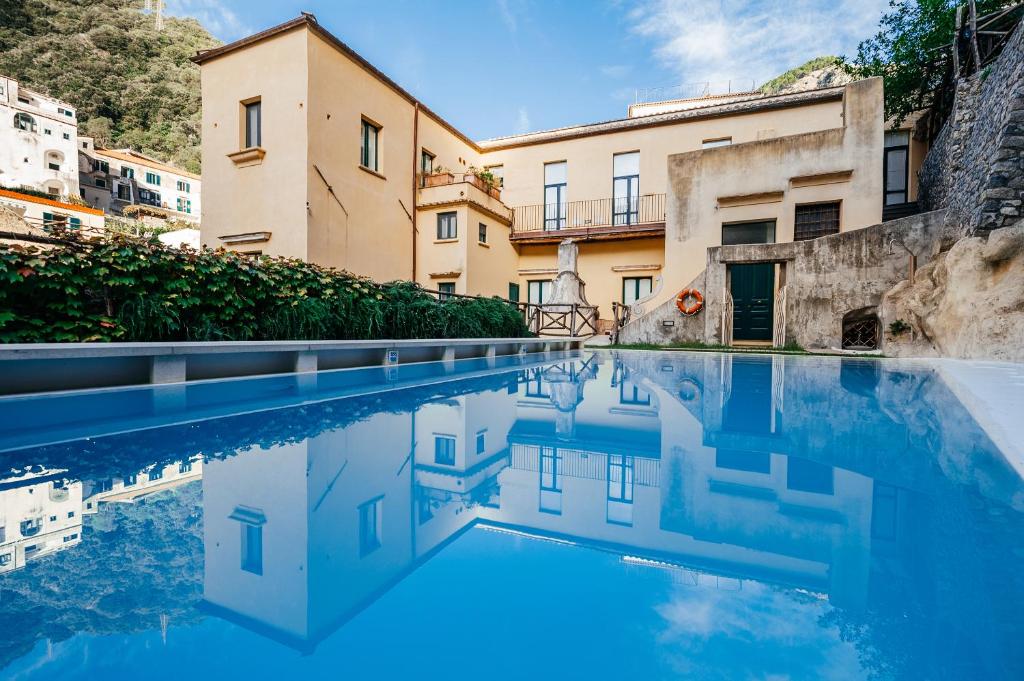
[301,537]
[41,512]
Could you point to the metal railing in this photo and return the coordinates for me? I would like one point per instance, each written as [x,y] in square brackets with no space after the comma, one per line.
[613,213]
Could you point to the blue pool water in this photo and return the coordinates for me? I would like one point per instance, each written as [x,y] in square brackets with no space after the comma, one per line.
[597,515]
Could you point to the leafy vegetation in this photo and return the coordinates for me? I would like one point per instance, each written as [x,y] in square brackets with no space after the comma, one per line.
[904,51]
[120,288]
[790,348]
[132,86]
[789,78]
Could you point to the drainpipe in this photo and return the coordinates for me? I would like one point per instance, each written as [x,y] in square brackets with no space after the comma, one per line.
[415,173]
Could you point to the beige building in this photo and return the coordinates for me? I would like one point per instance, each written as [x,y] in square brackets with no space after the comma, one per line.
[314,153]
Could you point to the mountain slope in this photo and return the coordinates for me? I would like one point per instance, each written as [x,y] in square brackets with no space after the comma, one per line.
[132,86]
[817,73]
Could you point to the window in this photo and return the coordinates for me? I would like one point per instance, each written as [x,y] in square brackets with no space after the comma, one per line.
[555,183]
[446,288]
[130,480]
[513,292]
[538,291]
[66,135]
[104,167]
[53,166]
[184,186]
[444,450]
[22,121]
[66,112]
[447,226]
[620,490]
[156,473]
[252,548]
[717,142]
[635,288]
[53,518]
[71,514]
[737,460]
[370,526]
[426,166]
[625,188]
[630,394]
[482,233]
[127,172]
[804,475]
[55,220]
[124,192]
[253,124]
[816,219]
[895,166]
[368,157]
[85,145]
[75,223]
[184,205]
[47,131]
[185,467]
[100,182]
[5,559]
[760,232]
[550,481]
[499,174]
[148,197]
[71,537]
[481,442]
[153,178]
[3,534]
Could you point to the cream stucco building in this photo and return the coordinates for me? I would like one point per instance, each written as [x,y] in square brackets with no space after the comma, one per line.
[312,152]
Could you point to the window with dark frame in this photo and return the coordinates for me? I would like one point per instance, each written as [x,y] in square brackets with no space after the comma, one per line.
[253,124]
[370,525]
[368,157]
[815,220]
[447,226]
[756,232]
[482,236]
[635,288]
[625,188]
[444,450]
[513,292]
[555,205]
[446,288]
[426,166]
[896,167]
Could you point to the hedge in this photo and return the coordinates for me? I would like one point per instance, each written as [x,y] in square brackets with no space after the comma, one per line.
[120,288]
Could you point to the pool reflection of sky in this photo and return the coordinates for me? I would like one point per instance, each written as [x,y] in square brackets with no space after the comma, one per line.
[631,515]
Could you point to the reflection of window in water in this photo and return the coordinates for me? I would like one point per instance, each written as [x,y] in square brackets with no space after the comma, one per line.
[884,511]
[803,475]
[620,489]
[737,460]
[5,558]
[481,442]
[444,450]
[370,526]
[131,480]
[550,480]
[156,473]
[860,376]
[630,394]
[252,548]
[184,467]
[425,511]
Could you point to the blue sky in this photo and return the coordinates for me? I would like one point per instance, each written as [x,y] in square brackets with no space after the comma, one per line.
[500,67]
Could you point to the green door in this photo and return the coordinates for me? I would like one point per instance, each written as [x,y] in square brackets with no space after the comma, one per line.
[753,298]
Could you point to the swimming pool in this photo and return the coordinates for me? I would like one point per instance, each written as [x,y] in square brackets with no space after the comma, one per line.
[592,515]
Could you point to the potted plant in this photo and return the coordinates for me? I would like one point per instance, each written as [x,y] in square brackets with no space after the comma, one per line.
[438,177]
[485,181]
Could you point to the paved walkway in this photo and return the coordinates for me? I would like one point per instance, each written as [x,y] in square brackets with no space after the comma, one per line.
[993,392]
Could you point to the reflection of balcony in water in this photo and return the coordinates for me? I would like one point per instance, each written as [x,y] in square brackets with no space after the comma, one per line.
[40,514]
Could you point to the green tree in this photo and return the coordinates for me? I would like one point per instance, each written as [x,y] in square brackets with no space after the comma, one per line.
[904,52]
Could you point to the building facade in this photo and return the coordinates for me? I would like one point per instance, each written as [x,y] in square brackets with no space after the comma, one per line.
[114,179]
[37,141]
[367,178]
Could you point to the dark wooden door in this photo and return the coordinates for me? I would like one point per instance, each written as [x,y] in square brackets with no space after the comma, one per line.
[753,297]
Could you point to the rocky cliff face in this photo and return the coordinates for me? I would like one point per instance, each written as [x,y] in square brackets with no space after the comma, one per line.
[967,302]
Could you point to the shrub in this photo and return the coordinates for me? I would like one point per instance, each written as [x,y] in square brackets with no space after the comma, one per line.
[126,289]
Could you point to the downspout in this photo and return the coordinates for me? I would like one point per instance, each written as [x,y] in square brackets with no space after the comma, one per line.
[415,173]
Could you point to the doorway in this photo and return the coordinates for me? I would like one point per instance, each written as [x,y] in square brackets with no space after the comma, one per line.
[753,295]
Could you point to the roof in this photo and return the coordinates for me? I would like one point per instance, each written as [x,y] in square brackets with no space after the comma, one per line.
[141,159]
[763,103]
[31,198]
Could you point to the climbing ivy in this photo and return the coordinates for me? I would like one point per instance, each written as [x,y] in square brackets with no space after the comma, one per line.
[123,289]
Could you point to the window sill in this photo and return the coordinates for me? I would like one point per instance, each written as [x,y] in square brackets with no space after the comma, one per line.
[483,243]
[250,156]
[372,172]
[447,241]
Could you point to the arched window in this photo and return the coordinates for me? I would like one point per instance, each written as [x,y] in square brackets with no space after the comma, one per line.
[22,121]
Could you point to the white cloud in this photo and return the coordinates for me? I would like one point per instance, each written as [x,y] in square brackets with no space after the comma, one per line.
[508,16]
[214,15]
[523,121]
[721,40]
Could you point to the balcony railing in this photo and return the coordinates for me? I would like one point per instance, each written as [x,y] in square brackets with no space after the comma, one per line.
[596,216]
[440,179]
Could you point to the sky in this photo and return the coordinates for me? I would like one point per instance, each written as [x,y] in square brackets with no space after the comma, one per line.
[502,67]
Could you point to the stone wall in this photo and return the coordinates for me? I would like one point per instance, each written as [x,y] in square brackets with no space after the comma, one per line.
[825,279]
[975,168]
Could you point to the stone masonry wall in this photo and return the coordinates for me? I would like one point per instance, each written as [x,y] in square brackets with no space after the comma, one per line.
[975,168]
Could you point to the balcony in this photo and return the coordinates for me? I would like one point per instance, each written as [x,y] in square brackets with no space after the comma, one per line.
[596,219]
[449,189]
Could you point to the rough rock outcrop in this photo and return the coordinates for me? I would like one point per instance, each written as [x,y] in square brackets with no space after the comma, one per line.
[967,302]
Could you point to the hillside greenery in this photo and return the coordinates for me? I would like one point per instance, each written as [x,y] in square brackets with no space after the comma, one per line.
[792,76]
[132,86]
[128,289]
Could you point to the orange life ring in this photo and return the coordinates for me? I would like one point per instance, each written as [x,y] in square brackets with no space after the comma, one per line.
[690,310]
